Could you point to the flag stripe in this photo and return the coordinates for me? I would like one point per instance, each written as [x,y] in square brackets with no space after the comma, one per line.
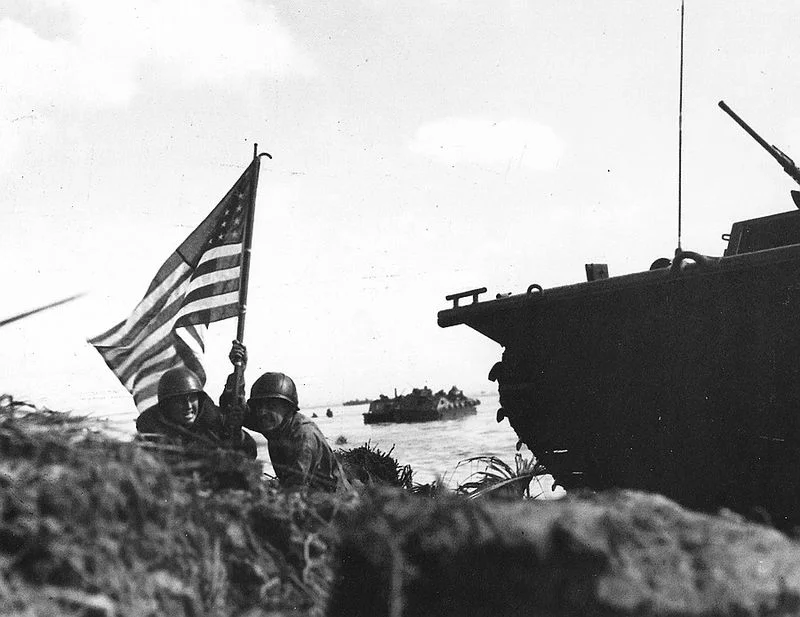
[169,289]
[211,309]
[150,306]
[107,334]
[192,358]
[150,375]
[209,315]
[174,262]
[215,289]
[151,370]
[220,252]
[159,349]
[145,400]
[127,358]
[155,294]
[170,310]
[143,330]
[215,277]
[197,333]
[232,262]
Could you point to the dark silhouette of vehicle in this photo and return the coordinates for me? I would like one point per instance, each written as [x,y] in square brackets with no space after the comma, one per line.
[683,379]
[421,405]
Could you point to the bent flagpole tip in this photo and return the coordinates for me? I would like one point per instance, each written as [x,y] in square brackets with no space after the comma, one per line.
[256,153]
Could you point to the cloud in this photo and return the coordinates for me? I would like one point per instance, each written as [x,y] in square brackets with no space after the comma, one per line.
[63,56]
[495,145]
[99,59]
[36,72]
[222,42]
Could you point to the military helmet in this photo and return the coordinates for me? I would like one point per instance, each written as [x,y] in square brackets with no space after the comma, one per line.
[274,385]
[178,381]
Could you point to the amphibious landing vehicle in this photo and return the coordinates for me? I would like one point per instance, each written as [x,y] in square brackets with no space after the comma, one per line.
[683,379]
[421,405]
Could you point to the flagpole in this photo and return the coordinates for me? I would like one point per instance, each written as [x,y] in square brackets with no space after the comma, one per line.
[244,275]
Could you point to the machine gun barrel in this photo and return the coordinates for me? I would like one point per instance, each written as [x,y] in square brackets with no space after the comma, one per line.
[787,163]
[746,127]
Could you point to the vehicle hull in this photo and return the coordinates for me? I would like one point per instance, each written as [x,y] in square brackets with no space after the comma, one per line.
[419,415]
[684,382]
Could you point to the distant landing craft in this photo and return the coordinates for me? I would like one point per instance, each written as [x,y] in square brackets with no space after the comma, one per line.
[357,401]
[421,405]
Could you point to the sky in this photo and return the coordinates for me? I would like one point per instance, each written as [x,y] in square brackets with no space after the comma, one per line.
[419,149]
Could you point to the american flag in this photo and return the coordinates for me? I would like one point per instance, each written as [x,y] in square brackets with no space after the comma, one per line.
[198,284]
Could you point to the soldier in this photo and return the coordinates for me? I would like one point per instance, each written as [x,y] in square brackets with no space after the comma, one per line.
[185,413]
[298,450]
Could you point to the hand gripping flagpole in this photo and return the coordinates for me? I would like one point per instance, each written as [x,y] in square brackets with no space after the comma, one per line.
[244,275]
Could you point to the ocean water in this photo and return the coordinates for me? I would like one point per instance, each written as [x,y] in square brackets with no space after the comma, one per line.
[433,449]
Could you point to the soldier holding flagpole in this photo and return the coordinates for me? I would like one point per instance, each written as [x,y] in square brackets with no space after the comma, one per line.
[157,352]
[186,414]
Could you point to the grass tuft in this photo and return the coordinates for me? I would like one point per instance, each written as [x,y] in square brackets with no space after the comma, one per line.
[500,480]
[368,466]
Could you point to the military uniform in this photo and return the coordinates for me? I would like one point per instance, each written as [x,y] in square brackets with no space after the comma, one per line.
[301,456]
[208,429]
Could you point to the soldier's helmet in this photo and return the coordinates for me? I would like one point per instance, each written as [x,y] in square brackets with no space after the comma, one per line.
[275,385]
[178,381]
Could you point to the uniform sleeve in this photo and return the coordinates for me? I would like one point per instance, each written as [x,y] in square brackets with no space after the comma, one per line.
[301,465]
[209,417]
[228,398]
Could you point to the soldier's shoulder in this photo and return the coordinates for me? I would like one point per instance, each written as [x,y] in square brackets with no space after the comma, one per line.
[210,415]
[150,421]
[306,423]
[312,434]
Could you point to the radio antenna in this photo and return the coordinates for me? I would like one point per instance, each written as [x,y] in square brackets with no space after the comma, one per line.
[680,134]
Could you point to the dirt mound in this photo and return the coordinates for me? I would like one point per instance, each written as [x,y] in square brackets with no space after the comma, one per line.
[617,553]
[97,527]
[94,526]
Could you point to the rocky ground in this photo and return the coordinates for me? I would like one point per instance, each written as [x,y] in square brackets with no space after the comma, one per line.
[94,526]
